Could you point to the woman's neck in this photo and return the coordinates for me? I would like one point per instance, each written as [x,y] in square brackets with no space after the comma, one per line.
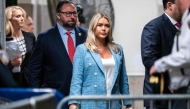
[101,44]
[17,33]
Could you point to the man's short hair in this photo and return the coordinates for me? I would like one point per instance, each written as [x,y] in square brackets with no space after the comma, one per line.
[165,3]
[61,3]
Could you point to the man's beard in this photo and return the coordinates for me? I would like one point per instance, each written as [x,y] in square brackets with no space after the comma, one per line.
[67,25]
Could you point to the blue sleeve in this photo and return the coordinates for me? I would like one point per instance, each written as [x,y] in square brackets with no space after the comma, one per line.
[124,86]
[78,69]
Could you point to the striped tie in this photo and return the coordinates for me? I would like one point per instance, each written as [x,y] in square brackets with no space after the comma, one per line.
[71,47]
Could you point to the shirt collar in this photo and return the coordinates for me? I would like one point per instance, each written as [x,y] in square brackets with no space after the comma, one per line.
[63,30]
[171,19]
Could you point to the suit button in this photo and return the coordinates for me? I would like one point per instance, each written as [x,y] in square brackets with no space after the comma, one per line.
[95,86]
[90,64]
[95,73]
[116,84]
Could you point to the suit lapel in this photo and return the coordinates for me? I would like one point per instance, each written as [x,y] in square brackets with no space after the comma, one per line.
[58,40]
[169,25]
[78,36]
[98,60]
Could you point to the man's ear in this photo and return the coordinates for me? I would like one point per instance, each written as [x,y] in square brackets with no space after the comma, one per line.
[58,15]
[169,6]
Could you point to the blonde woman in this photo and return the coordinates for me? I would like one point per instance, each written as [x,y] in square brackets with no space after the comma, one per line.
[15,17]
[99,67]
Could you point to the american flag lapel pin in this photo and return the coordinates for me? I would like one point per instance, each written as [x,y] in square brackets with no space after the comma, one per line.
[79,34]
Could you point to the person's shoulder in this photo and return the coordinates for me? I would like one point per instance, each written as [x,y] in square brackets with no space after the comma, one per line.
[28,34]
[120,47]
[81,49]
[52,29]
[81,29]
[156,21]
[81,46]
[9,38]
[47,32]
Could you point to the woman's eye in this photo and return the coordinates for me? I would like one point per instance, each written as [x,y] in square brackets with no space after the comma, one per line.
[99,25]
[107,26]
[18,16]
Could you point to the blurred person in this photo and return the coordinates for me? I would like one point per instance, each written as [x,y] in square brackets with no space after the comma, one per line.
[78,23]
[99,67]
[81,18]
[6,77]
[177,63]
[156,41]
[15,17]
[51,62]
[180,57]
[28,25]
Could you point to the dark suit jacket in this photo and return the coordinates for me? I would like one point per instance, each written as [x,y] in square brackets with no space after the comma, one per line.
[156,42]
[29,41]
[6,77]
[50,65]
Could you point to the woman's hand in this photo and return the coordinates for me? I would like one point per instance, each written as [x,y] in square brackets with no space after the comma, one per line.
[16,61]
[73,106]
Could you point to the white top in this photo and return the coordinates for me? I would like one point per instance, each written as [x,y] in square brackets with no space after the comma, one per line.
[109,67]
[22,45]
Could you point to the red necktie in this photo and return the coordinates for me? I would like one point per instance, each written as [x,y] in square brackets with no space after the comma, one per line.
[71,47]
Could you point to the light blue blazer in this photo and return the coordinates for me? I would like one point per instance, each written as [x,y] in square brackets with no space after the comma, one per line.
[89,79]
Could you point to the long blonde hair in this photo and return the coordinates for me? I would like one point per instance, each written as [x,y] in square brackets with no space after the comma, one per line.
[9,14]
[91,38]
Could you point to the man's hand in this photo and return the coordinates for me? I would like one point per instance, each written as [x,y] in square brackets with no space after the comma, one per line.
[152,70]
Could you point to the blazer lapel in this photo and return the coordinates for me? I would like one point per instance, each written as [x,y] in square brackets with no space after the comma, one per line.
[27,47]
[117,60]
[98,60]
[29,43]
[117,65]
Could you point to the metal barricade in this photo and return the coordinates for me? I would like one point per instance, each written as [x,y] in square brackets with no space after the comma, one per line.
[129,97]
[45,101]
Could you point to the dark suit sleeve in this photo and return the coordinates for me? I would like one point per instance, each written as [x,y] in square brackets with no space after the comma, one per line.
[35,64]
[6,77]
[150,45]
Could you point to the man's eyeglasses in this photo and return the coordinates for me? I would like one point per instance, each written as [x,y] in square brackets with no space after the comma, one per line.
[68,14]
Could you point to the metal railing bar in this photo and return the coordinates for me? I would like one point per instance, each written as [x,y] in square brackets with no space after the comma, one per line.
[151,104]
[169,104]
[123,97]
[188,107]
